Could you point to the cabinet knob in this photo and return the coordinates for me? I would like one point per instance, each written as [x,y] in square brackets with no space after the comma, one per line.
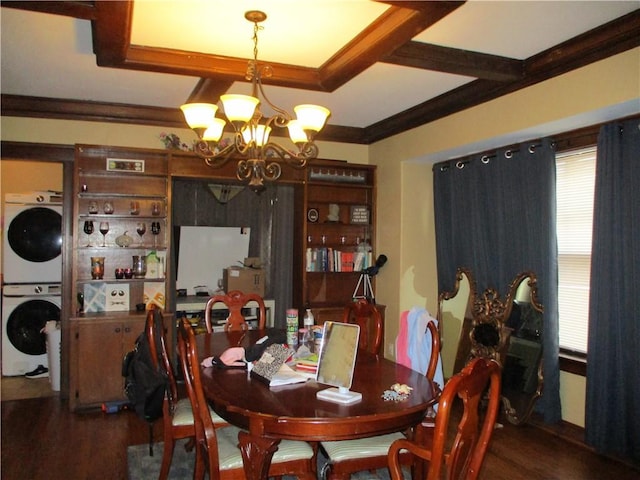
[117,329]
[127,329]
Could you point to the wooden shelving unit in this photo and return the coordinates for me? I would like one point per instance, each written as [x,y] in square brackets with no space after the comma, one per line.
[330,238]
[135,184]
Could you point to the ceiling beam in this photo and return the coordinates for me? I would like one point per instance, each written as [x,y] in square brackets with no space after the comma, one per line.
[112,32]
[82,10]
[609,39]
[391,30]
[395,27]
[615,37]
[39,107]
[454,60]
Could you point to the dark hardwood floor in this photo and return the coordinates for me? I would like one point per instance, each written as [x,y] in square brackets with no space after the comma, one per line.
[41,439]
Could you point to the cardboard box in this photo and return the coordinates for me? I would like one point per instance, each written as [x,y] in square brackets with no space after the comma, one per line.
[247,280]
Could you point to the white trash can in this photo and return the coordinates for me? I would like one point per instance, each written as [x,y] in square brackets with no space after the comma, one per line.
[54,339]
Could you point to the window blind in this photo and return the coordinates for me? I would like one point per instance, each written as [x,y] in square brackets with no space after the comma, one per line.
[574,197]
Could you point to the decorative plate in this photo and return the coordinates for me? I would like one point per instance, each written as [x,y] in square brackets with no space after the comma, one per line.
[312,215]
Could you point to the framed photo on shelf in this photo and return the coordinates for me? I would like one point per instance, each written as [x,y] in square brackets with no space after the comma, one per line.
[360,214]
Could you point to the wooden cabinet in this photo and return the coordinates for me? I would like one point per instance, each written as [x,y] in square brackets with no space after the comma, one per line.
[335,236]
[99,345]
[125,188]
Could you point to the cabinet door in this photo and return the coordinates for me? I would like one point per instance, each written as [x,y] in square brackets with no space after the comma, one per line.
[99,353]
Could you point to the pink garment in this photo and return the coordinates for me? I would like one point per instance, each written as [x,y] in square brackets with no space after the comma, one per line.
[402,341]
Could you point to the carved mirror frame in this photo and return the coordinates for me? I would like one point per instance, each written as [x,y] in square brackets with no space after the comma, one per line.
[486,333]
[527,280]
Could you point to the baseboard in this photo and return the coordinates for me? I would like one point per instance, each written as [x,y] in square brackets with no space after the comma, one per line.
[575,435]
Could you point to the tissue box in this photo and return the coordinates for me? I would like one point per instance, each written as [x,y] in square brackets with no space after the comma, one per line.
[247,280]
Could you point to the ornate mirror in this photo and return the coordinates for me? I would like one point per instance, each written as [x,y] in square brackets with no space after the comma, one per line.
[454,321]
[522,377]
[508,330]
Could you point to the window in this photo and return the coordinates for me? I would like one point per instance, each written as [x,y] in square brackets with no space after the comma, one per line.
[576,171]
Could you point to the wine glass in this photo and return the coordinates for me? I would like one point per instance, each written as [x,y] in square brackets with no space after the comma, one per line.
[104,229]
[155,229]
[141,228]
[88,229]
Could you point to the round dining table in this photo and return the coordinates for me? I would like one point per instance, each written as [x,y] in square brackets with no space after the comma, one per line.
[270,414]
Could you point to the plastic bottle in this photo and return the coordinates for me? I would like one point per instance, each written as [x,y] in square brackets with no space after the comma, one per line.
[309,320]
[153,265]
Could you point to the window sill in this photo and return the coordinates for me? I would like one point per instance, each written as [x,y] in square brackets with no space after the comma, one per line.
[576,364]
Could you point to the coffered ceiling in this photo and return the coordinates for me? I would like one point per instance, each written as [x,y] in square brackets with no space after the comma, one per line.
[381,67]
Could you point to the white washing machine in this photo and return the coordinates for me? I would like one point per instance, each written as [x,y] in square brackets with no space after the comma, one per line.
[32,251]
[25,311]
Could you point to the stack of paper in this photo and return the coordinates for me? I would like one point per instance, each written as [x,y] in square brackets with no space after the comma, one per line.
[286,376]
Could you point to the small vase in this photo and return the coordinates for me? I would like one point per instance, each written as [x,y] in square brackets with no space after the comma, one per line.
[97,268]
[139,266]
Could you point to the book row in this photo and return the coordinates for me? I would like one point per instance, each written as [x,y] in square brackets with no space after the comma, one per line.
[328,259]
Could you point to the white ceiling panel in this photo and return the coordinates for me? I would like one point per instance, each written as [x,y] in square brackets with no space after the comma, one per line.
[520,29]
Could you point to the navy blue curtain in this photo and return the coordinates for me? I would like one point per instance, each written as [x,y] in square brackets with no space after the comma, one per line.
[496,215]
[613,363]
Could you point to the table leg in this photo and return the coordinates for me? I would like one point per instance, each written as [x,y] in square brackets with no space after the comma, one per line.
[423,436]
[256,454]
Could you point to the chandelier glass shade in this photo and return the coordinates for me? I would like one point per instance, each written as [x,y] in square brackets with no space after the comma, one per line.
[252,143]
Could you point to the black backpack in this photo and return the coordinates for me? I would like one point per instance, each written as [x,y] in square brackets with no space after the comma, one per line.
[144,385]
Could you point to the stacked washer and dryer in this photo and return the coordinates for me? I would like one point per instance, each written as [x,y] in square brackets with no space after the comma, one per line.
[32,269]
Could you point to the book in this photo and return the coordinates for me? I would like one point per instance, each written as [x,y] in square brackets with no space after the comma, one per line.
[271,368]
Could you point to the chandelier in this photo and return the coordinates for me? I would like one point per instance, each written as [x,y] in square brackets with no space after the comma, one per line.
[251,129]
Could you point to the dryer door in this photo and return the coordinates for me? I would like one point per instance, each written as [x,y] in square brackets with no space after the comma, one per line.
[35,234]
[32,244]
[26,322]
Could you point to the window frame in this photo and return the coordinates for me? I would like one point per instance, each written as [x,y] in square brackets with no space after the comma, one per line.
[571,361]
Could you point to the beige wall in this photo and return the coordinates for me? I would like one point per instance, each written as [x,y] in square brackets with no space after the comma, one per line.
[405,190]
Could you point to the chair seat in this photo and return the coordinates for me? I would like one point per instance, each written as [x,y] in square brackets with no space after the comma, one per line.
[230,456]
[183,414]
[360,448]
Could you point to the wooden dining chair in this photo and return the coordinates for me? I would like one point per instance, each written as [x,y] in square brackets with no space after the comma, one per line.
[463,456]
[217,448]
[177,415]
[235,300]
[368,317]
[348,456]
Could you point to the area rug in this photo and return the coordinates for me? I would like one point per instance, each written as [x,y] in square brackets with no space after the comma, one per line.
[142,466]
